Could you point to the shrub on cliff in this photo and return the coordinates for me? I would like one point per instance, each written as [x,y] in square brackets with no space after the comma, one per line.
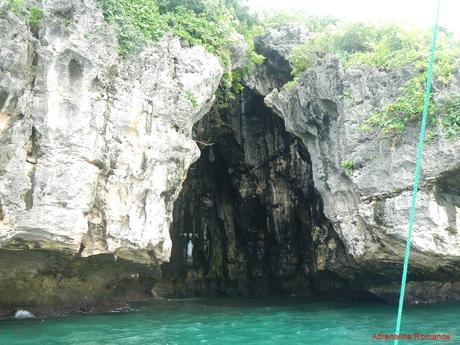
[386,47]
[311,22]
[210,23]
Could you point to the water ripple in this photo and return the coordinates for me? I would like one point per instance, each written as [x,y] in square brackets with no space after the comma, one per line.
[232,322]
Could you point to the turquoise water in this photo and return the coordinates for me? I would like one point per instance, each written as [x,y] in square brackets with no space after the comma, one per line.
[239,322]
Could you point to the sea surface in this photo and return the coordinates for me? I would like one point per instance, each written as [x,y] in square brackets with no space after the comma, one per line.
[237,322]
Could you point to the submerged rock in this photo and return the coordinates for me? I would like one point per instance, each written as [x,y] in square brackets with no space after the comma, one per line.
[23,314]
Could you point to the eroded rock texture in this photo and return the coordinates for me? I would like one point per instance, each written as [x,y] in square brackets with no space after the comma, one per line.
[369,206]
[276,45]
[94,148]
[256,218]
[254,200]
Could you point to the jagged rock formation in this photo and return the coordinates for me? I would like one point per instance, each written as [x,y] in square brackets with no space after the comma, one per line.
[369,206]
[276,45]
[229,194]
[93,149]
[256,218]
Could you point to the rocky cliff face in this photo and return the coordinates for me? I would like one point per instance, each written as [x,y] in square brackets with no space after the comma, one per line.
[254,201]
[369,205]
[255,218]
[94,148]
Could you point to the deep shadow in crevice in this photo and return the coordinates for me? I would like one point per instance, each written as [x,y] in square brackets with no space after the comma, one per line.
[252,213]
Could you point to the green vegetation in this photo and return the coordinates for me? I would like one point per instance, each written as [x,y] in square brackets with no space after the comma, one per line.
[450,109]
[191,97]
[16,6]
[430,137]
[214,23]
[34,14]
[69,22]
[394,117]
[388,47]
[313,23]
[348,164]
[290,84]
[209,23]
[35,18]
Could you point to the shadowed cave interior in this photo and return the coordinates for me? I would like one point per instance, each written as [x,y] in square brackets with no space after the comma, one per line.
[255,219]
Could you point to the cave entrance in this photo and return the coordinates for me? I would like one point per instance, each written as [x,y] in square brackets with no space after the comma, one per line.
[249,207]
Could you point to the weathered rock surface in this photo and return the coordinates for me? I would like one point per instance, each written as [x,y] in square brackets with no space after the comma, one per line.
[51,283]
[255,217]
[369,206]
[94,148]
[276,45]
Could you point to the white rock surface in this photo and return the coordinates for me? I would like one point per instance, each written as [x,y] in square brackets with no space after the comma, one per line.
[369,206]
[23,314]
[94,148]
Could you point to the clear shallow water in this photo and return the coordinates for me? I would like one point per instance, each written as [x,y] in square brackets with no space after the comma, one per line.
[242,322]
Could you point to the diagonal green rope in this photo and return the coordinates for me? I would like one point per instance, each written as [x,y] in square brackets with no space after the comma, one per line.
[426,102]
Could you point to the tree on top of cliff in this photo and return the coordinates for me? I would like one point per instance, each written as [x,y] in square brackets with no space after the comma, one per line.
[389,47]
[209,23]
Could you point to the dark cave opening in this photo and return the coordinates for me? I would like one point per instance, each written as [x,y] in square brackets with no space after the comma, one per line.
[254,216]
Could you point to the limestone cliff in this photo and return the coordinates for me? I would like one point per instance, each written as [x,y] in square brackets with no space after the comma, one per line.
[270,213]
[369,204]
[94,148]
[255,218]
[102,181]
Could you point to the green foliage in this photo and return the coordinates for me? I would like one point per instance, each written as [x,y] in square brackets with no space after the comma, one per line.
[34,14]
[393,117]
[450,111]
[209,23]
[35,18]
[313,23]
[191,97]
[430,137]
[290,84]
[69,22]
[16,6]
[348,164]
[342,40]
[348,93]
[136,22]
[386,47]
